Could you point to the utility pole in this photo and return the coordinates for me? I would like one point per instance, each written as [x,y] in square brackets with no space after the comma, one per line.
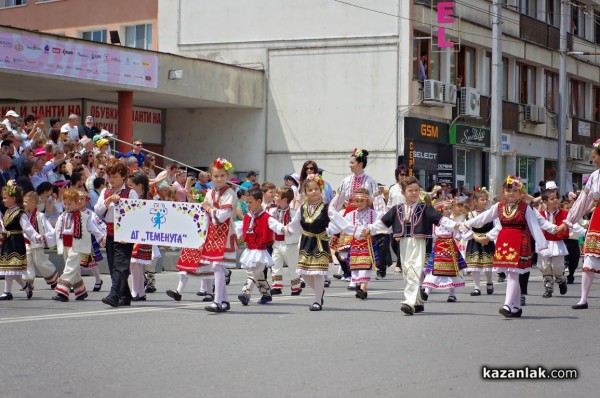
[563,99]
[496,172]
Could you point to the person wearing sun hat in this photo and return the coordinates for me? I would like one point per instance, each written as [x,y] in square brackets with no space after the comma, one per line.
[10,121]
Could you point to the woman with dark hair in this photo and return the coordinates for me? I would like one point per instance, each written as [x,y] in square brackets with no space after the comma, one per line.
[309,167]
[87,160]
[53,136]
[24,180]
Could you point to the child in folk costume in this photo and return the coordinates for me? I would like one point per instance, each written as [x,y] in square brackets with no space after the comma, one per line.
[513,245]
[73,238]
[411,223]
[445,262]
[285,247]
[141,255]
[257,232]
[553,266]
[118,254]
[363,256]
[37,259]
[220,245]
[90,261]
[317,221]
[480,244]
[13,253]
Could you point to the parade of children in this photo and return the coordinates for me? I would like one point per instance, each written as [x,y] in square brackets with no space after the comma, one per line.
[286,229]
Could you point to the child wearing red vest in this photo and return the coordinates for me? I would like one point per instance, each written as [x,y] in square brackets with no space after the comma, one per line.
[256,233]
[553,266]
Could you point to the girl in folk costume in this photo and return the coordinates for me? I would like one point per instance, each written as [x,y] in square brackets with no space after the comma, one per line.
[591,246]
[73,238]
[363,255]
[13,254]
[220,245]
[513,246]
[343,198]
[317,221]
[37,259]
[141,255]
[90,260]
[480,244]
[445,262]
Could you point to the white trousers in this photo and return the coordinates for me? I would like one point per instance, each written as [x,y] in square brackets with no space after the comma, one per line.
[412,253]
[287,254]
[38,260]
[71,276]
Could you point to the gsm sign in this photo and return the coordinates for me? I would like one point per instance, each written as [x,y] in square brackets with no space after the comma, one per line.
[427,130]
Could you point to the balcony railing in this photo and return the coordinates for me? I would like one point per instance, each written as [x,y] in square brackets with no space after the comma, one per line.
[539,32]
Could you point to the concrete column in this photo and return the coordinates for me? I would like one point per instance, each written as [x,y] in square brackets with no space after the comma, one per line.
[125,121]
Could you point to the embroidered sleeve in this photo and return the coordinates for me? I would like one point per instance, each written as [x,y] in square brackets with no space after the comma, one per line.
[28,229]
[100,207]
[483,218]
[534,228]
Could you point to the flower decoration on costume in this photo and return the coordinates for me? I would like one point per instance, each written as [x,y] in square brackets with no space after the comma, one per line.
[318,179]
[514,182]
[596,144]
[11,187]
[197,195]
[357,153]
[222,163]
[439,206]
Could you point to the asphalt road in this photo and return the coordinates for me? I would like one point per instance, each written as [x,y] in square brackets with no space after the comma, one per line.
[163,348]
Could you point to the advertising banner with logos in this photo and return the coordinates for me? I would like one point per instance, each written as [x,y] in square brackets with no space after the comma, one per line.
[31,53]
[147,122]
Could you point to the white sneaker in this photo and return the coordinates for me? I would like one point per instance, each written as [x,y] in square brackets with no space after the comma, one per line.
[347,279]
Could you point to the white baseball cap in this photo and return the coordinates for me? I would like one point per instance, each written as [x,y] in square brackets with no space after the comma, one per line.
[551,185]
[11,113]
[105,133]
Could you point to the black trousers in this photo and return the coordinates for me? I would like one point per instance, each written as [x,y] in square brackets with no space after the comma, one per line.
[572,260]
[396,249]
[120,273]
[382,242]
[110,253]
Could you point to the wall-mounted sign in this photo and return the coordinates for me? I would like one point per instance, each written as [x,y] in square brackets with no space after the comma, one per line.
[444,17]
[425,130]
[478,137]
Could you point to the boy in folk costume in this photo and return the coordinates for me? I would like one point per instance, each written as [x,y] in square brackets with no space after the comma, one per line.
[90,260]
[13,252]
[553,266]
[363,256]
[37,259]
[220,245]
[257,232]
[118,255]
[285,247]
[411,223]
[74,231]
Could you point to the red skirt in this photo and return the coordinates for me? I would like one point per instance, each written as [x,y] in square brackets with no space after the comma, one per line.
[513,249]
[189,260]
[591,246]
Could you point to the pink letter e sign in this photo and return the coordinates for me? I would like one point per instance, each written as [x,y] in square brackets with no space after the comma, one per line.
[445,10]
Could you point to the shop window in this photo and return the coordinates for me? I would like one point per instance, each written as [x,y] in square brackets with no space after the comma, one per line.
[95,35]
[577,95]
[551,101]
[139,36]
[526,170]
[525,84]
[426,63]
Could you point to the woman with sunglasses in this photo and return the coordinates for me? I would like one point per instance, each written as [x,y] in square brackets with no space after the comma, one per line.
[74,161]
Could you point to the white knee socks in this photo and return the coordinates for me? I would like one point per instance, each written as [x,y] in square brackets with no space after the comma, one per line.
[476,279]
[183,280]
[513,290]
[586,284]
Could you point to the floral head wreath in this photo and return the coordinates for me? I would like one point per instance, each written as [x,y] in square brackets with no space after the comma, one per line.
[222,163]
[439,206]
[11,187]
[481,189]
[596,144]
[357,153]
[318,179]
[514,182]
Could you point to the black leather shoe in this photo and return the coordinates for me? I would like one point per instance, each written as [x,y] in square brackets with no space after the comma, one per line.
[489,288]
[583,306]
[174,294]
[6,296]
[110,301]
[505,312]
[82,297]
[516,314]
[570,280]
[53,286]
[60,297]
[407,309]
[302,284]
[225,306]
[547,294]
[419,308]
[361,294]
[150,289]
[563,287]
[214,308]
[476,292]
[139,298]
[228,277]
[296,293]
[124,303]
[98,286]
[275,291]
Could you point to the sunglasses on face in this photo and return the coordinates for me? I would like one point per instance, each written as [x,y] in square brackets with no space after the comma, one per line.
[101,169]
[76,157]
[137,144]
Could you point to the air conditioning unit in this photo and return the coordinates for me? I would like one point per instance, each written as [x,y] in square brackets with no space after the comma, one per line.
[450,94]
[433,90]
[574,151]
[469,102]
[586,155]
[534,114]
